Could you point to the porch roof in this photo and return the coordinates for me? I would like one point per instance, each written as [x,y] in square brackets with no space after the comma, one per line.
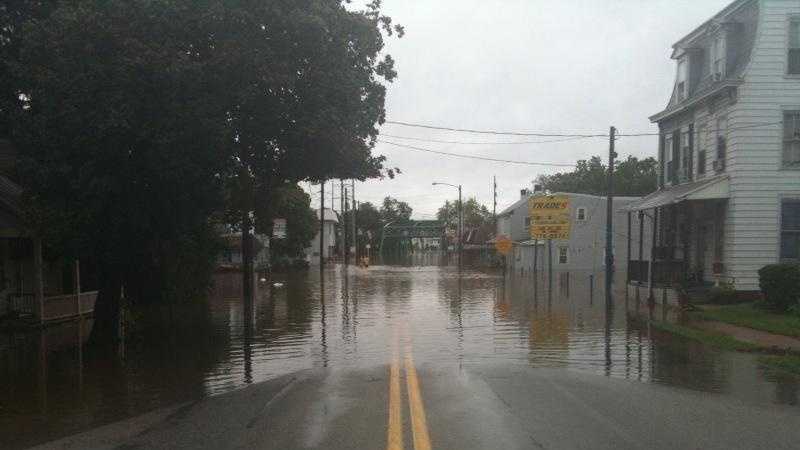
[707,189]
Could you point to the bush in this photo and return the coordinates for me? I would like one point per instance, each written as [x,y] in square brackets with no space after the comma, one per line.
[780,284]
[724,294]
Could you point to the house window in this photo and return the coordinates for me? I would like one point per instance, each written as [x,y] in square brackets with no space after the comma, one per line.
[686,154]
[791,138]
[721,144]
[790,230]
[701,151]
[682,83]
[793,66]
[667,157]
[580,215]
[718,58]
[563,255]
[527,223]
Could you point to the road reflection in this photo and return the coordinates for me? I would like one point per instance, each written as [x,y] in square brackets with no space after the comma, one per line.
[342,319]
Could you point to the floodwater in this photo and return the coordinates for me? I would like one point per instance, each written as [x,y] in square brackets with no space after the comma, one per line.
[52,387]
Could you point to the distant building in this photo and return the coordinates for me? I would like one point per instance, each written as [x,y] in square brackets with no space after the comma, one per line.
[231,257]
[584,250]
[728,201]
[330,223]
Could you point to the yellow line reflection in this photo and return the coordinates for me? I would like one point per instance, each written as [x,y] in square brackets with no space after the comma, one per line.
[394,439]
[419,425]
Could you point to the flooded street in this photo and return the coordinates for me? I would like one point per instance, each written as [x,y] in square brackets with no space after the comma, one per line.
[478,321]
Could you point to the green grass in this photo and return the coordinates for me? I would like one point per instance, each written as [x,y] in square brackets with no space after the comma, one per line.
[719,340]
[783,363]
[746,315]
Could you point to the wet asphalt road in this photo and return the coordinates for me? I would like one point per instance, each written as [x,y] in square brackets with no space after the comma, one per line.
[397,358]
[464,408]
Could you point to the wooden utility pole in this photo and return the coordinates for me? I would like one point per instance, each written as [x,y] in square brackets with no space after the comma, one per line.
[610,214]
[342,228]
[321,224]
[494,204]
[355,208]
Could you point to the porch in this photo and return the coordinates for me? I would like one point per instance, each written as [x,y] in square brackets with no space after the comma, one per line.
[686,236]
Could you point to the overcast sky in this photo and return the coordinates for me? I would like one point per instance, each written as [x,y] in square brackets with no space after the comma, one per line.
[522,65]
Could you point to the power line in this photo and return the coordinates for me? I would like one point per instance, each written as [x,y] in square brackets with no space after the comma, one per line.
[482,158]
[566,135]
[440,141]
[508,133]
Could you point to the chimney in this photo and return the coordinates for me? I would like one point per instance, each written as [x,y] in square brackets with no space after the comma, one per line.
[523,193]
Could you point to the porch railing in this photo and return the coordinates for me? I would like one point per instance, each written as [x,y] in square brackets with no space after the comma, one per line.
[56,307]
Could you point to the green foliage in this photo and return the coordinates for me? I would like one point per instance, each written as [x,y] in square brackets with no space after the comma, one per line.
[724,294]
[747,315]
[293,204]
[370,223]
[632,177]
[138,121]
[475,215]
[780,284]
[781,364]
[393,210]
[714,339]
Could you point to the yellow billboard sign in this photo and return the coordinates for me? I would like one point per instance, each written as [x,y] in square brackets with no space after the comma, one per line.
[550,217]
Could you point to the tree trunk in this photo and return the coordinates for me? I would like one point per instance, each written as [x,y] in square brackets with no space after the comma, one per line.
[107,309]
[247,259]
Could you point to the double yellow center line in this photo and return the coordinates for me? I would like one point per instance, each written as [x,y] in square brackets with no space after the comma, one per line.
[419,425]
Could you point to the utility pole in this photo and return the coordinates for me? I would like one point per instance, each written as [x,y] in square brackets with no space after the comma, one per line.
[345,227]
[341,227]
[494,205]
[355,208]
[321,224]
[460,227]
[610,214]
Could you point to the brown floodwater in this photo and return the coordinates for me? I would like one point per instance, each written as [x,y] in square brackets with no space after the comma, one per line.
[51,387]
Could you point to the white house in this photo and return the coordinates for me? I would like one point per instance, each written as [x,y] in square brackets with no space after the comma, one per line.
[330,223]
[729,148]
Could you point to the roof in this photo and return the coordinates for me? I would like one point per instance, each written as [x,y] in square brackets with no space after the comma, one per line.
[572,195]
[707,189]
[330,215]
[703,28]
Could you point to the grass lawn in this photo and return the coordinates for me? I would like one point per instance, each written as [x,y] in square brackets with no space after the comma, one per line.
[718,340]
[788,363]
[746,315]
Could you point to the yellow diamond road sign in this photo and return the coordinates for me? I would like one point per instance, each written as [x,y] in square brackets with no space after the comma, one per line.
[550,217]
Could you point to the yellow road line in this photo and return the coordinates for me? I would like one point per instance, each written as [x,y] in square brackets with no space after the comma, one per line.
[394,439]
[419,425]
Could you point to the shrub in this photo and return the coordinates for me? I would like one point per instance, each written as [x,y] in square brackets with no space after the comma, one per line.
[724,294]
[780,284]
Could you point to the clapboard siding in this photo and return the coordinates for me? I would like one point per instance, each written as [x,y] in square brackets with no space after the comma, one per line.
[757,179]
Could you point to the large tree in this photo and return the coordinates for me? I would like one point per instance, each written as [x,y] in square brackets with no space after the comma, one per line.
[394,210]
[632,176]
[138,120]
[475,214]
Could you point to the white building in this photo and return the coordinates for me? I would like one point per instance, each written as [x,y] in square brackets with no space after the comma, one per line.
[331,221]
[585,248]
[729,196]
